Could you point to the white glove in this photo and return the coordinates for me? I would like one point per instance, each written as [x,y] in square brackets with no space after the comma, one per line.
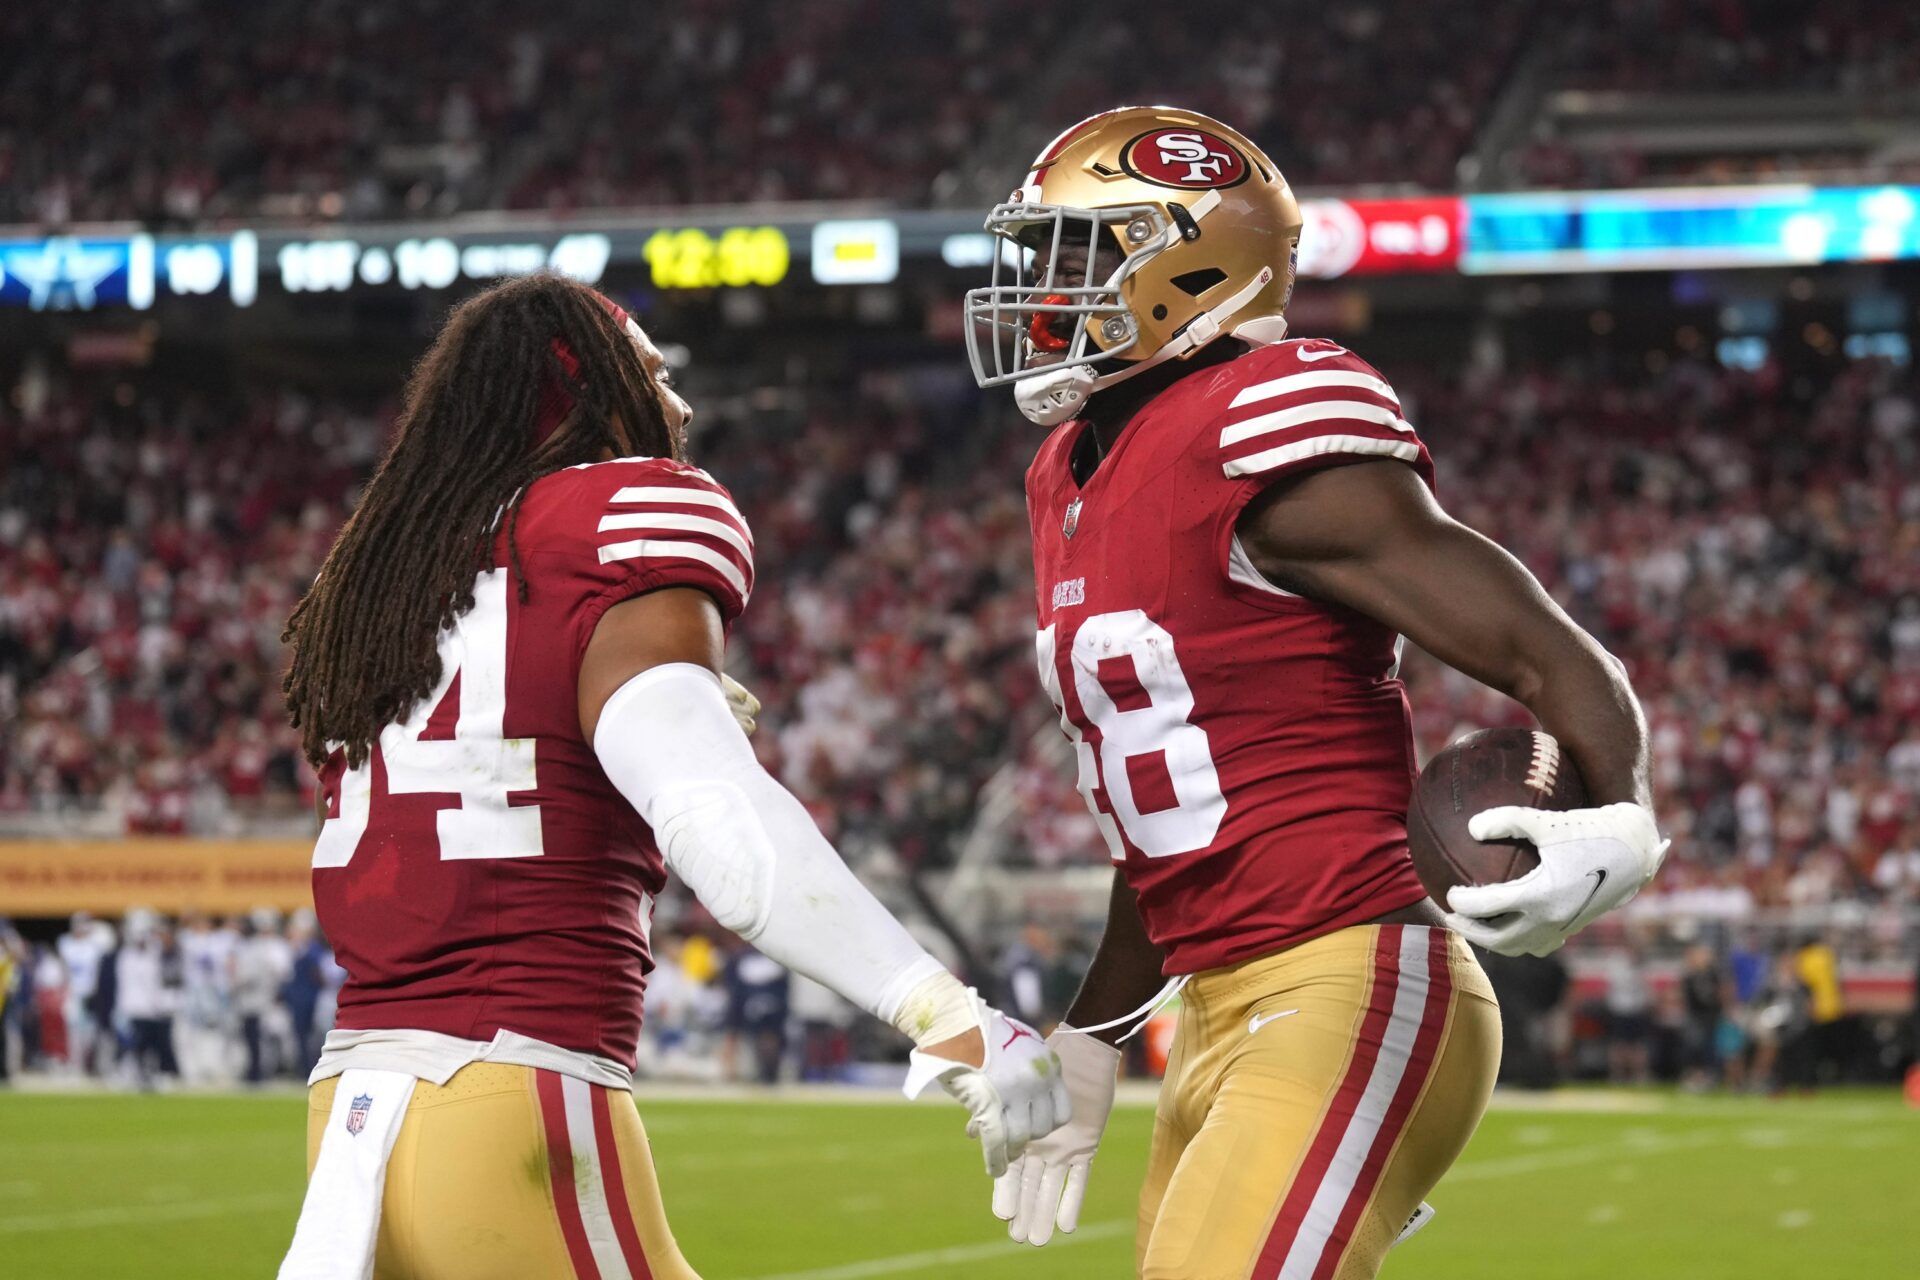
[1015,1096]
[740,701]
[1591,861]
[1044,1187]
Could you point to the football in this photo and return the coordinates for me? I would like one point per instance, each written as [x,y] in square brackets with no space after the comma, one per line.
[1482,771]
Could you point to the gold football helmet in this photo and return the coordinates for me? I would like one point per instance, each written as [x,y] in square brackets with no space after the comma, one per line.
[1140,235]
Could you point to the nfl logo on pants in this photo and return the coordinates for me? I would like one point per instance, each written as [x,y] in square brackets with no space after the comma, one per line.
[357,1112]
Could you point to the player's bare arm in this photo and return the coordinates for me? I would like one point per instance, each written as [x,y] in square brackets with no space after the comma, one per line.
[1370,536]
[1126,968]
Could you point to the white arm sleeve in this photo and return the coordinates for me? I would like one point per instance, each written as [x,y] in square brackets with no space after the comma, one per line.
[746,848]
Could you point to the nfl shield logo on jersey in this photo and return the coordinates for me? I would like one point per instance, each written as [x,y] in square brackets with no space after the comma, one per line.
[1072,521]
[357,1112]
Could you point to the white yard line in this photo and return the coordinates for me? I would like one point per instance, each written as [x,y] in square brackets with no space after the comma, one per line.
[903,1263]
[1512,1166]
[132,1215]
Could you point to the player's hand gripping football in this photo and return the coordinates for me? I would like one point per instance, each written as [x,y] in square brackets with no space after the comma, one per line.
[1591,861]
[1044,1188]
[1015,1095]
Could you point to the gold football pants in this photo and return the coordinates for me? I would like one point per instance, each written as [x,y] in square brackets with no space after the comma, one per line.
[1313,1098]
[514,1173]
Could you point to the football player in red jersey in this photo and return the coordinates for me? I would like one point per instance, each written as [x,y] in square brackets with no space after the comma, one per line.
[1232,531]
[508,676]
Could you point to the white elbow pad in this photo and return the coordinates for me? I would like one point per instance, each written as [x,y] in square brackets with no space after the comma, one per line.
[714,841]
[745,847]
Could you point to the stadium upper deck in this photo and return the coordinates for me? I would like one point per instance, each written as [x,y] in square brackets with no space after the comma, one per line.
[203,110]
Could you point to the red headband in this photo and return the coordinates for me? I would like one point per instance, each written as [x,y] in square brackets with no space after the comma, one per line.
[556,400]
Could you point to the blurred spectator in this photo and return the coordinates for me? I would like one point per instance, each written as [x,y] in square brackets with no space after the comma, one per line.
[759,995]
[262,963]
[50,1009]
[83,949]
[1703,991]
[1630,1007]
[147,969]
[1025,974]
[204,1036]
[312,978]
[826,1030]
[1818,969]
[1782,1030]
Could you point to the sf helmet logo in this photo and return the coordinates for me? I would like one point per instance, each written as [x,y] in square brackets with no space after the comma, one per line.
[1189,158]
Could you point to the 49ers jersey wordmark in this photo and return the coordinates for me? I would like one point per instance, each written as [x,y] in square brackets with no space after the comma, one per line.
[1246,752]
[479,873]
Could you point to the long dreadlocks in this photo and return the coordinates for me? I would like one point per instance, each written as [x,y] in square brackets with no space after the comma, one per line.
[364,639]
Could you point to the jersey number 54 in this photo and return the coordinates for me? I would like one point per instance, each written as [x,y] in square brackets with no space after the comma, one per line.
[479,765]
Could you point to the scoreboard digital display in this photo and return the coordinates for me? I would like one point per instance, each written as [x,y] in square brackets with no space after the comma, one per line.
[693,258]
[1673,228]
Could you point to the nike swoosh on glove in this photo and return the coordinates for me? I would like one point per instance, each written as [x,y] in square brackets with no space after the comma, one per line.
[1015,1096]
[1045,1187]
[1591,861]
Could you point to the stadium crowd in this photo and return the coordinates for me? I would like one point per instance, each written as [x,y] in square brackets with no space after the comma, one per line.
[1789,90]
[202,110]
[1854,46]
[1747,542]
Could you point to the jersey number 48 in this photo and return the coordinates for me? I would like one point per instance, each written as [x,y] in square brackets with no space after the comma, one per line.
[1150,768]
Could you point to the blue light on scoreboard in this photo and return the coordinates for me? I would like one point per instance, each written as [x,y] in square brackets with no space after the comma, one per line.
[75,273]
[79,273]
[1690,228]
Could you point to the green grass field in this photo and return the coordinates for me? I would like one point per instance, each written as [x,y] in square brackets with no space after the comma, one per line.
[1606,1187]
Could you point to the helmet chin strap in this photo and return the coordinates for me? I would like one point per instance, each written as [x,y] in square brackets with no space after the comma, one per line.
[1052,396]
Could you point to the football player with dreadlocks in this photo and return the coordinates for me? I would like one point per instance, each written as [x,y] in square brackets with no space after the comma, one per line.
[1232,530]
[508,676]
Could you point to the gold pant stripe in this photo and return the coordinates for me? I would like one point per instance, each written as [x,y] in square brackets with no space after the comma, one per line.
[1312,1099]
[509,1173]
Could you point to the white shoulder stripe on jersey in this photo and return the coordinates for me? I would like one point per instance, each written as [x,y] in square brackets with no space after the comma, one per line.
[684,497]
[1254,464]
[682,521]
[668,549]
[673,493]
[1315,381]
[1314,411]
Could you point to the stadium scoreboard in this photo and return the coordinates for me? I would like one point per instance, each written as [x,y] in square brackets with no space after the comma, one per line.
[1533,232]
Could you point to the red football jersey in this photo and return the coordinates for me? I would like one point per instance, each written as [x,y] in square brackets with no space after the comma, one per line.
[1247,752]
[479,872]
